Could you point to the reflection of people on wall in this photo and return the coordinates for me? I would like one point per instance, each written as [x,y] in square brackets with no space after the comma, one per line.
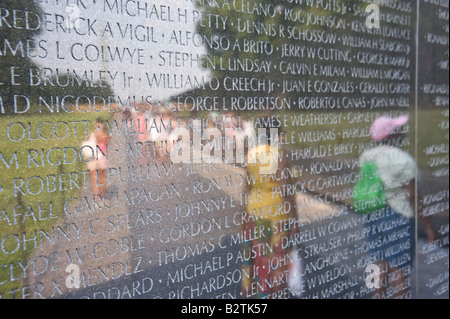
[262,227]
[140,127]
[238,133]
[390,226]
[98,141]
[170,134]
[161,133]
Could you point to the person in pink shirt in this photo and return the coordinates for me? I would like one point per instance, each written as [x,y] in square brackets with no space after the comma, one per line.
[98,142]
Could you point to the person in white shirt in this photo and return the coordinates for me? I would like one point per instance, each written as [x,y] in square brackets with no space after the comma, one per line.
[391,230]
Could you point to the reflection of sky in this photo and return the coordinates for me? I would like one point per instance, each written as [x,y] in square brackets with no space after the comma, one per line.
[150,60]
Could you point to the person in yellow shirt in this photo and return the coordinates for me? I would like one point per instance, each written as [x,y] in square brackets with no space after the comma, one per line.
[269,260]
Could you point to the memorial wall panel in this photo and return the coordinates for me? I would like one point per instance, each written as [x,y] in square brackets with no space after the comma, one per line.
[224,149]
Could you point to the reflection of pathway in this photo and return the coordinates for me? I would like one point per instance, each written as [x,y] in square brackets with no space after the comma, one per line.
[95,244]
[133,244]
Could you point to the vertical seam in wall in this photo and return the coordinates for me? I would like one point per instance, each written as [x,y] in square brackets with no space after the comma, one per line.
[416,135]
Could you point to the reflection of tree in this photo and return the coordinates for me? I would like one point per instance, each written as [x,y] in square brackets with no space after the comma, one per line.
[270,17]
[76,86]
[16,46]
[430,55]
[343,24]
[17,50]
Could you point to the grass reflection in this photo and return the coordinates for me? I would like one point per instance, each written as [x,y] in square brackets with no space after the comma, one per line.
[41,167]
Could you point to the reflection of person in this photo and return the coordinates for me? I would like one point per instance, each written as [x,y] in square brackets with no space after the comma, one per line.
[236,132]
[162,133]
[265,211]
[140,126]
[391,229]
[98,165]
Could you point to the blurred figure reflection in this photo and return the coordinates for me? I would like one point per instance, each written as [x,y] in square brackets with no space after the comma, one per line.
[389,215]
[97,143]
[266,268]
